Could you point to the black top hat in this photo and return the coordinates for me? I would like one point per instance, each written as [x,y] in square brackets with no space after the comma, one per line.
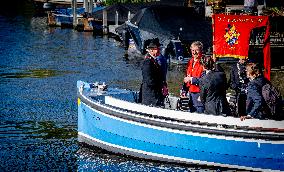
[154,43]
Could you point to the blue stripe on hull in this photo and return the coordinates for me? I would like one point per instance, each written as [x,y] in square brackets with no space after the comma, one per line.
[154,140]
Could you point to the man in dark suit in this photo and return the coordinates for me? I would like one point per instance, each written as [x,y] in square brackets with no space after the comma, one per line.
[213,87]
[238,82]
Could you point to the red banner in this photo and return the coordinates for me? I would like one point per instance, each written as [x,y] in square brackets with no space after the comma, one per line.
[231,36]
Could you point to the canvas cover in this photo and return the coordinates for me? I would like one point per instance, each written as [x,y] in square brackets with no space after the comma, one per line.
[169,22]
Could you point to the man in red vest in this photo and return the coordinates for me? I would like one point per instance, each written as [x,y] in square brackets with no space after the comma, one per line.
[193,74]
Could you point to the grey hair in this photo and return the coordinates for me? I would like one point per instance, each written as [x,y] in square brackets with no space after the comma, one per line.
[197,44]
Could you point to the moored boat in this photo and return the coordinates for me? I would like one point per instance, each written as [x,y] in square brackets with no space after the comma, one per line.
[111,119]
[63,17]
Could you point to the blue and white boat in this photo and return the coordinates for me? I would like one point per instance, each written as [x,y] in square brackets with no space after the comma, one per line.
[111,119]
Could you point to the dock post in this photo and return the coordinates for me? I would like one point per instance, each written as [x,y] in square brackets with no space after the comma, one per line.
[85,5]
[74,12]
[105,30]
[128,16]
[264,3]
[116,18]
[91,6]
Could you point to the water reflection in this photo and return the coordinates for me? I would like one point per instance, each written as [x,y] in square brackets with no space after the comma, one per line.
[34,73]
[36,130]
[95,159]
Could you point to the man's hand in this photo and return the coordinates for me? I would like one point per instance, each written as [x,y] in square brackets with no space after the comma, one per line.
[187,79]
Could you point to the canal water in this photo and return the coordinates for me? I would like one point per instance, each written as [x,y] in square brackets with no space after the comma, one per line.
[39,67]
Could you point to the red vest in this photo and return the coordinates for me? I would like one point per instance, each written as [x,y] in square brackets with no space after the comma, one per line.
[195,72]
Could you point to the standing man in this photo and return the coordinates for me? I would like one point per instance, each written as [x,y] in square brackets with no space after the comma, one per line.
[193,74]
[152,77]
[213,86]
[238,82]
[255,104]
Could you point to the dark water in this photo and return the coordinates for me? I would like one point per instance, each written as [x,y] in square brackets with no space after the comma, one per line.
[39,68]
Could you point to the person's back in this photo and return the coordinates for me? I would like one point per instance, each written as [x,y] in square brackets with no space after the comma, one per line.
[213,87]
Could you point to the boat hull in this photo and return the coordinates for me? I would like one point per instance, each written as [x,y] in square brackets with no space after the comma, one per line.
[118,130]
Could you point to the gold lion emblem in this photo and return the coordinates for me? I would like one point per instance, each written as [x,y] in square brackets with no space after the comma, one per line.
[231,35]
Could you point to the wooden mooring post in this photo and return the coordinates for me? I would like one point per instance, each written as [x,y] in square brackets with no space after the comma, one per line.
[74,12]
[105,26]
[91,6]
[86,5]
[116,18]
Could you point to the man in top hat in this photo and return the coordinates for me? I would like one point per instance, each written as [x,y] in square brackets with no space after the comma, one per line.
[153,75]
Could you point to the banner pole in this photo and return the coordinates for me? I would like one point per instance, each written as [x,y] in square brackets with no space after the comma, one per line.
[213,38]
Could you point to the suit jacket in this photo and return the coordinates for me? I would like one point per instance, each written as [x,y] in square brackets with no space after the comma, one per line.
[213,93]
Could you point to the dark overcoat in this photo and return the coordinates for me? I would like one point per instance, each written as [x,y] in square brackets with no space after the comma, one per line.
[152,82]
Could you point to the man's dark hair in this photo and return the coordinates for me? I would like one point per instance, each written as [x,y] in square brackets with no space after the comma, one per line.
[207,62]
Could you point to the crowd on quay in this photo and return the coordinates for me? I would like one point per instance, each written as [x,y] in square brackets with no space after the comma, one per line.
[205,85]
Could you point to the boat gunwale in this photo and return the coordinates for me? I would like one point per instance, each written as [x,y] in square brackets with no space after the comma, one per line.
[170,123]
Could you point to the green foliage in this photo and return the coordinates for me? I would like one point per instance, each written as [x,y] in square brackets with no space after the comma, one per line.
[273,11]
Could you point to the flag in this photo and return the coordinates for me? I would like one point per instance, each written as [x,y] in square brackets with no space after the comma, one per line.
[231,36]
